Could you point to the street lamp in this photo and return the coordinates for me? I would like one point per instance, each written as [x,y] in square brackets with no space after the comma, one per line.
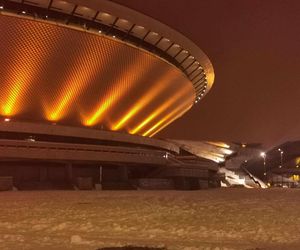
[281,162]
[281,157]
[263,155]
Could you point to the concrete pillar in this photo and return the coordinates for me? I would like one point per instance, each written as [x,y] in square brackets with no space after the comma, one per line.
[100,174]
[98,186]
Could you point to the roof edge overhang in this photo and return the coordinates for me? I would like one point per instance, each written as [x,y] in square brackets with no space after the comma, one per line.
[154,25]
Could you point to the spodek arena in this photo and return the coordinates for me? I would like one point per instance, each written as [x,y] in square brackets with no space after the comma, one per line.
[84,87]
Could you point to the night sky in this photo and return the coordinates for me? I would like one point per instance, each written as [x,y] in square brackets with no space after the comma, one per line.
[254,46]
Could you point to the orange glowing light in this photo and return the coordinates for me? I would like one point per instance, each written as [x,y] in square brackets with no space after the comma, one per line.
[71,90]
[125,82]
[170,121]
[157,89]
[7,108]
[105,105]
[83,70]
[26,66]
[97,79]
[167,117]
[161,109]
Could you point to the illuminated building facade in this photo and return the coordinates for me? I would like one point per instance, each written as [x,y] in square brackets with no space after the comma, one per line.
[73,64]
[68,65]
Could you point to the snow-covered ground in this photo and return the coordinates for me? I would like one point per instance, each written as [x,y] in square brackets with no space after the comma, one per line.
[210,219]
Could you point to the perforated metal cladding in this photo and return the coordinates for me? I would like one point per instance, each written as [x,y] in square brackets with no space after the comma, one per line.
[54,73]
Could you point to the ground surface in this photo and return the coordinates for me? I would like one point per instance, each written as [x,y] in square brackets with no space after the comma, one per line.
[211,219]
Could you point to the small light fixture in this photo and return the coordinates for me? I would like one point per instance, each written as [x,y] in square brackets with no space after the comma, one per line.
[31,139]
[23,12]
[100,31]
[7,119]
[1,7]
[114,36]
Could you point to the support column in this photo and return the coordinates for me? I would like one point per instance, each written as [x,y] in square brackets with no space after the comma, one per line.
[98,186]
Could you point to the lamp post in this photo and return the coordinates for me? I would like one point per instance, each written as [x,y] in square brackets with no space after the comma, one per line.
[263,155]
[281,158]
[281,163]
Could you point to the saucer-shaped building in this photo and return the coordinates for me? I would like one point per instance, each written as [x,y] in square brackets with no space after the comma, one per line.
[93,66]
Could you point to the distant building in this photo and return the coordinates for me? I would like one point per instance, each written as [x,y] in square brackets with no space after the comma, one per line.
[282,165]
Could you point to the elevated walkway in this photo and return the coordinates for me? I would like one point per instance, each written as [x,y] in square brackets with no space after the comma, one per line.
[35,150]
